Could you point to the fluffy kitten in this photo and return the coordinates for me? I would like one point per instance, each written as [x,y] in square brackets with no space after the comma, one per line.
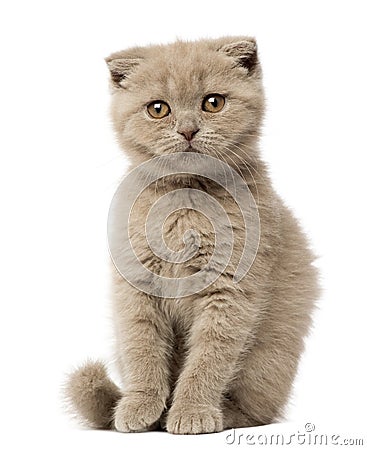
[226,356]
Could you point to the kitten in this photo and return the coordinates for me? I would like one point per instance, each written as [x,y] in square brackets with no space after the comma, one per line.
[224,356]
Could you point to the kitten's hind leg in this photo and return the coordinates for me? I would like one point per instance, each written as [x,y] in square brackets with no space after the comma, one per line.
[235,417]
[262,386]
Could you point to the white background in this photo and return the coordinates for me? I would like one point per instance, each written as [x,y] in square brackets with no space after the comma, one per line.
[60,166]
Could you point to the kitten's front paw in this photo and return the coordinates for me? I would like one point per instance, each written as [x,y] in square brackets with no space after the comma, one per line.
[194,419]
[138,411]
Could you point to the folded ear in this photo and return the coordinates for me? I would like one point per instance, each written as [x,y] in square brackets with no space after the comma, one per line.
[244,51]
[120,68]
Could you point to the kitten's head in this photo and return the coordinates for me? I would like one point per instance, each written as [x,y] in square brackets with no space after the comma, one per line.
[203,96]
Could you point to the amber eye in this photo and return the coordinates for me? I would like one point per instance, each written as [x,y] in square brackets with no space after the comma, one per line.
[158,109]
[213,103]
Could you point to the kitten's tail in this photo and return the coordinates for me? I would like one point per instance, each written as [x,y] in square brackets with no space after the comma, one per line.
[91,395]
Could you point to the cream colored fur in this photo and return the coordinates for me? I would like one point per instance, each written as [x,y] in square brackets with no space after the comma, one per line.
[227,356]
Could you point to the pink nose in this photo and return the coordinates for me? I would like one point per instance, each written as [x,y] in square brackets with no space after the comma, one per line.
[188,134]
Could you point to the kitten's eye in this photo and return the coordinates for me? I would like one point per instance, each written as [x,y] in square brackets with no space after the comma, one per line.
[158,109]
[213,103]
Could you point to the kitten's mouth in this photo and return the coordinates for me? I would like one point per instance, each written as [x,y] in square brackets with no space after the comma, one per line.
[190,148]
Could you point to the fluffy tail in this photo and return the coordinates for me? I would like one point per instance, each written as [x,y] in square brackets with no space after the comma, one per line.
[91,395]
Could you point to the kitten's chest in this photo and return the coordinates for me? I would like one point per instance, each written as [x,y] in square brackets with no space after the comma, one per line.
[177,234]
[190,237]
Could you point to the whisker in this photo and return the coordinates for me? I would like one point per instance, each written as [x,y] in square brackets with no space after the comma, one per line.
[212,149]
[246,165]
[243,161]
[249,171]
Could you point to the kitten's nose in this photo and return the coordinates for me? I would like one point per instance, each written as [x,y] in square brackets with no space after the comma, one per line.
[188,134]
